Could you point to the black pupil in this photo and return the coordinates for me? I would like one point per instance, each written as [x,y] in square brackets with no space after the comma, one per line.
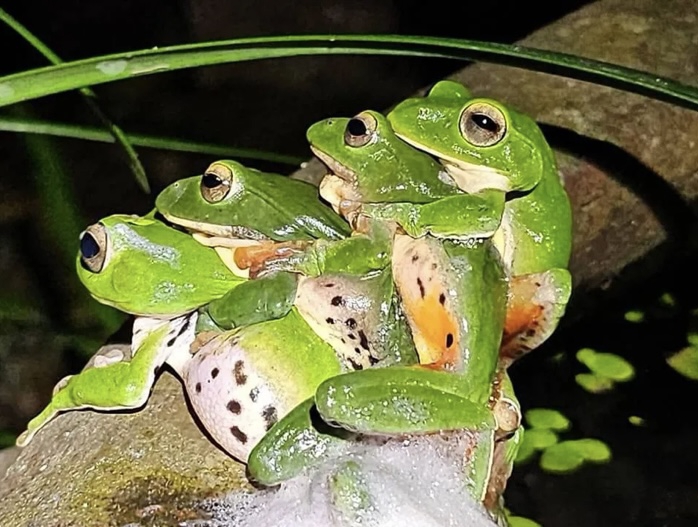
[88,246]
[356,127]
[211,180]
[485,122]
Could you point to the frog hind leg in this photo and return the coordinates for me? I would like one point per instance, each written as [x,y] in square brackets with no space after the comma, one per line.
[400,400]
[111,381]
[418,273]
[536,303]
[300,440]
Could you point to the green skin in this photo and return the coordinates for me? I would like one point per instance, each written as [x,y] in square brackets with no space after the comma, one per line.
[355,401]
[332,261]
[535,234]
[163,276]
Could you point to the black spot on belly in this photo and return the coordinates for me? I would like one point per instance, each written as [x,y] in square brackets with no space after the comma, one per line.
[434,266]
[239,434]
[355,364]
[530,332]
[357,350]
[449,340]
[372,360]
[239,373]
[254,393]
[329,285]
[415,257]
[442,299]
[214,373]
[337,301]
[351,323]
[363,340]
[421,287]
[171,342]
[234,406]
[329,320]
[351,336]
[270,416]
[198,387]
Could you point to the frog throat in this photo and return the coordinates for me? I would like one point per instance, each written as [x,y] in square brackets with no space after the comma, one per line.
[469,177]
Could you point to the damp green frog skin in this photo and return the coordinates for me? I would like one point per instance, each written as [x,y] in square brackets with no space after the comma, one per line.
[346,291]
[484,145]
[240,382]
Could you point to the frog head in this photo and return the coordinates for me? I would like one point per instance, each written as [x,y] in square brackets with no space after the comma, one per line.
[144,267]
[370,164]
[482,143]
[235,202]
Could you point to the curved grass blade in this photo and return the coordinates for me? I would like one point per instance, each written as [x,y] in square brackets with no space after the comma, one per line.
[55,79]
[31,126]
[90,97]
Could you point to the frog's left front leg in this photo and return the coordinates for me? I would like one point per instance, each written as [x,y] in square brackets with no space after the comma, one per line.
[535,305]
[111,381]
[455,217]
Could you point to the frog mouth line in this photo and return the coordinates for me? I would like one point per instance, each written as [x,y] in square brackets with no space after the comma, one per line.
[333,165]
[235,233]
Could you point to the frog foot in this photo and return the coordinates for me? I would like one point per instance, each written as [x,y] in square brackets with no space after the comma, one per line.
[260,258]
[536,303]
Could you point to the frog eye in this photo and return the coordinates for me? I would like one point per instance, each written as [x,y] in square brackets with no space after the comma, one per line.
[215,183]
[482,124]
[360,130]
[93,247]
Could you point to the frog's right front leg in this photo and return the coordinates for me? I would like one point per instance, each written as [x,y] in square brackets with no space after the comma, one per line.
[111,381]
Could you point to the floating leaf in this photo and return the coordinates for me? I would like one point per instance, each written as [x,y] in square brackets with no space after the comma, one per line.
[541,438]
[636,420]
[561,458]
[635,315]
[526,449]
[685,362]
[520,521]
[606,364]
[594,383]
[591,449]
[668,300]
[547,418]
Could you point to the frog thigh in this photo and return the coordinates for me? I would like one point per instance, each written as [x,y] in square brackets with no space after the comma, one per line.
[536,303]
[418,267]
[400,400]
[110,384]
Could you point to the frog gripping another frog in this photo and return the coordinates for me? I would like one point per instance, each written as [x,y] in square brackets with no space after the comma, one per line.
[394,310]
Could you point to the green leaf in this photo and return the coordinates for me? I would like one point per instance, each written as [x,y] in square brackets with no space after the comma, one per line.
[541,438]
[594,383]
[547,418]
[635,316]
[606,364]
[591,449]
[33,126]
[685,362]
[520,521]
[561,459]
[98,70]
[90,98]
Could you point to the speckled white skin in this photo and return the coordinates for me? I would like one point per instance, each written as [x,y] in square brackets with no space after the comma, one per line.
[234,403]
[345,312]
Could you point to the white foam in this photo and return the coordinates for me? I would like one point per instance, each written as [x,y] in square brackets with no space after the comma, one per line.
[417,481]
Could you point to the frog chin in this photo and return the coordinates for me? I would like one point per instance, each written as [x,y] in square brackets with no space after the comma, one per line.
[473,178]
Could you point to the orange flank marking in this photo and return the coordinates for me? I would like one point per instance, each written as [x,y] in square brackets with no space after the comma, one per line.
[522,317]
[436,330]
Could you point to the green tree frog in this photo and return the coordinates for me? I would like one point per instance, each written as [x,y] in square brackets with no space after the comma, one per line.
[484,145]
